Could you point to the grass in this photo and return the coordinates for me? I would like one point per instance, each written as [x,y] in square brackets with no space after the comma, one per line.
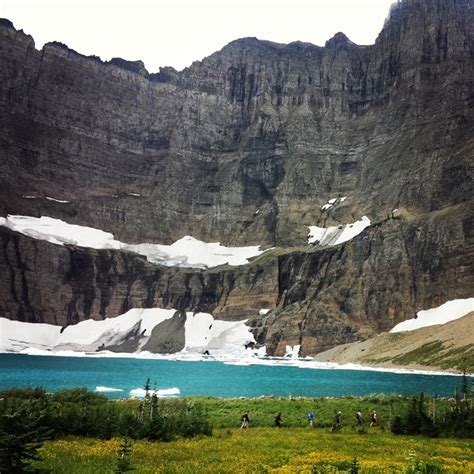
[261,450]
[435,353]
[225,413]
[295,448]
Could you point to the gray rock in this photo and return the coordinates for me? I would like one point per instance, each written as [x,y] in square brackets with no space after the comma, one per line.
[245,147]
[167,337]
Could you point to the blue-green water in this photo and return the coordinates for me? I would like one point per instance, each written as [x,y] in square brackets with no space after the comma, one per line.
[210,378]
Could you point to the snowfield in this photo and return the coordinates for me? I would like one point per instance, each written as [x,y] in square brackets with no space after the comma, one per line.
[336,235]
[443,314]
[186,252]
[202,333]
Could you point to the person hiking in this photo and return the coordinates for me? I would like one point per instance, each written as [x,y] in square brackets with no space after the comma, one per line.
[278,420]
[359,418]
[311,416]
[336,426]
[373,418]
[245,421]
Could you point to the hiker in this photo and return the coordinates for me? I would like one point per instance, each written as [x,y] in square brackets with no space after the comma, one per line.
[311,416]
[336,426]
[278,421]
[359,418]
[245,421]
[373,418]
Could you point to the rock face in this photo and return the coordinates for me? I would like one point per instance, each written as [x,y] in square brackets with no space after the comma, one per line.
[245,147]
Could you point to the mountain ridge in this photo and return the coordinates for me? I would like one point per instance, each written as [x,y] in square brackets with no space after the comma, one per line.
[248,147]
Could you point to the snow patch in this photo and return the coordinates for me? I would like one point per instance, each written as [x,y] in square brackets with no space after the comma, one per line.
[449,311]
[292,352]
[336,235]
[202,334]
[331,202]
[57,200]
[264,311]
[186,252]
[29,197]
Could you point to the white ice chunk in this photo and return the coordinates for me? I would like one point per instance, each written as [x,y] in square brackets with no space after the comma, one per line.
[107,389]
[292,352]
[443,314]
[166,392]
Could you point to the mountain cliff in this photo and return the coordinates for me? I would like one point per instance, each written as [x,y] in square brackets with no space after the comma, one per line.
[246,147]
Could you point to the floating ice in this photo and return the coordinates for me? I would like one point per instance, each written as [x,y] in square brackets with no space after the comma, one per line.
[107,389]
[166,392]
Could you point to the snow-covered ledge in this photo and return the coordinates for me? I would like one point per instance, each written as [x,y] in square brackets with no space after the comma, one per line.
[337,234]
[185,252]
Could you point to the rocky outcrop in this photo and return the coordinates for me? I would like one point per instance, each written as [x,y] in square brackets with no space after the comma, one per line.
[366,286]
[320,296]
[62,285]
[167,337]
[245,147]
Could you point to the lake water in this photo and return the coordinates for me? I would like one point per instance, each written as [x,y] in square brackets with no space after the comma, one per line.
[210,378]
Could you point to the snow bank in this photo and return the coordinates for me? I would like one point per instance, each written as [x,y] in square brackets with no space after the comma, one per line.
[443,314]
[186,252]
[85,336]
[202,333]
[337,234]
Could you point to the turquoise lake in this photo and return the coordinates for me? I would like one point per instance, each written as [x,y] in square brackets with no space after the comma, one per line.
[210,378]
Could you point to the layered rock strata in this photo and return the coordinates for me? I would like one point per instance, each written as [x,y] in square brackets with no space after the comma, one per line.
[246,147]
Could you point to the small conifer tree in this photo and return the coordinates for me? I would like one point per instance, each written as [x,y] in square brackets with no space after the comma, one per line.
[123,462]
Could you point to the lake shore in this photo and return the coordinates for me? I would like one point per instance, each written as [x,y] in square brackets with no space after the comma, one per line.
[324,361]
